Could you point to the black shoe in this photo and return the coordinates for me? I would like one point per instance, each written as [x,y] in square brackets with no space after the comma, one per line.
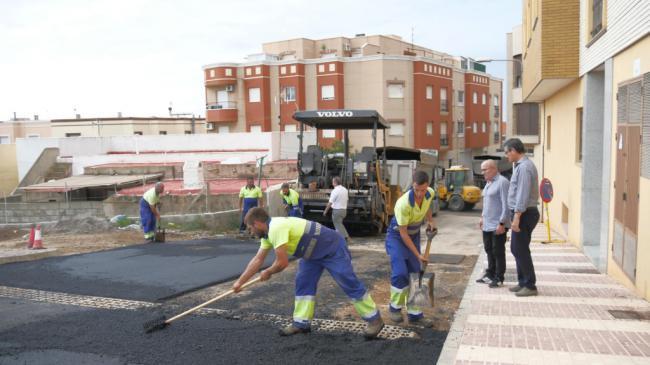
[515,289]
[293,330]
[484,280]
[496,283]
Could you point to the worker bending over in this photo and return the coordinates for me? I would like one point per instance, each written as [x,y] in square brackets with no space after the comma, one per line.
[318,248]
[291,201]
[403,245]
[149,214]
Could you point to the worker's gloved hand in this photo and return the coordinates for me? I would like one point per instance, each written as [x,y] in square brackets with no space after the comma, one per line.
[431,232]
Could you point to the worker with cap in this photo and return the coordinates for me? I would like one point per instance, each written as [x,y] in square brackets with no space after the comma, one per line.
[291,201]
[149,213]
[318,248]
[403,245]
[250,196]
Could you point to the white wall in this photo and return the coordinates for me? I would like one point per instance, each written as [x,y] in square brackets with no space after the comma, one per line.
[28,150]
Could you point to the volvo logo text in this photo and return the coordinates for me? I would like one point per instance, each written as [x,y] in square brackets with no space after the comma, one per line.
[343,113]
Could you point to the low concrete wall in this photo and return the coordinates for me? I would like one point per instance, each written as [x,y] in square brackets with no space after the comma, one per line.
[217,221]
[272,170]
[172,204]
[18,213]
[171,171]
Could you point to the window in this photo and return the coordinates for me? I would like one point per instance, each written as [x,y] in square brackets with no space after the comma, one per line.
[290,128]
[258,70]
[396,129]
[136,133]
[579,135]
[444,141]
[443,100]
[516,72]
[290,93]
[163,133]
[211,73]
[292,69]
[429,128]
[460,128]
[188,132]
[248,71]
[256,129]
[254,95]
[461,97]
[35,135]
[5,139]
[283,70]
[429,92]
[327,92]
[321,68]
[475,97]
[496,100]
[496,132]
[228,72]
[475,127]
[548,133]
[483,127]
[483,101]
[224,129]
[396,91]
[596,17]
[331,67]
[329,133]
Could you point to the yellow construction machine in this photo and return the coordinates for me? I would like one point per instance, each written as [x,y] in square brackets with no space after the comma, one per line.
[457,191]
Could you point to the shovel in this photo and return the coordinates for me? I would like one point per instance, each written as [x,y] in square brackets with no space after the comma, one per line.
[421,295]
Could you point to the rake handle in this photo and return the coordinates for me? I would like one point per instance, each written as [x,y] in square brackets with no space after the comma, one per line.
[220,296]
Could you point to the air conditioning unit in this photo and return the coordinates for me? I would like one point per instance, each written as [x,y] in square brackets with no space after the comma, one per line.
[209,126]
[230,88]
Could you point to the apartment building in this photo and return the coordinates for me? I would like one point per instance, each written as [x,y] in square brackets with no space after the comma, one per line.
[432,100]
[586,65]
[23,128]
[126,126]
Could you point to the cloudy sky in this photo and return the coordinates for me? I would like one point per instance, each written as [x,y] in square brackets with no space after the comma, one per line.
[100,57]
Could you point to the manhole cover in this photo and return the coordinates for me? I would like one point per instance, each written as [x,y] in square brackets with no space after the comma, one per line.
[570,270]
[628,314]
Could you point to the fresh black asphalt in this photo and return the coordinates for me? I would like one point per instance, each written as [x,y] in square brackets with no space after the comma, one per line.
[147,272]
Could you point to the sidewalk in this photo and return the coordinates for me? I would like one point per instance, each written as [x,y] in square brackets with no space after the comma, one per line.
[570,322]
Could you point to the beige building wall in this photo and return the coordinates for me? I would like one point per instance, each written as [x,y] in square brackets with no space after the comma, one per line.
[496,87]
[560,165]
[623,69]
[8,169]
[25,129]
[125,127]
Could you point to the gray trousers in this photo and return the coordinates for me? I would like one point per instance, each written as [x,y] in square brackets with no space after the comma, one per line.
[337,219]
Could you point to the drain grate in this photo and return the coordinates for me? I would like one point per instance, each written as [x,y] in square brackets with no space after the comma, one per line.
[630,314]
[570,270]
[320,325]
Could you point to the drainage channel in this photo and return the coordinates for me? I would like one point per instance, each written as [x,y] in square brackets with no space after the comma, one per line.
[319,325]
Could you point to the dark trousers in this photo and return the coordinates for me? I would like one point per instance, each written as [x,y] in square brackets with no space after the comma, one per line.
[520,247]
[495,248]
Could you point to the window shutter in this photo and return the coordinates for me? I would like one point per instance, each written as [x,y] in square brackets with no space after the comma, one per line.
[621,97]
[645,127]
[634,103]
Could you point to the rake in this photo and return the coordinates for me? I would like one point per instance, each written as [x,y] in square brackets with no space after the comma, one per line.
[162,321]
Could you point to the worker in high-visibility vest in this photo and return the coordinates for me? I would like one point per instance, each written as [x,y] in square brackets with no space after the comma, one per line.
[250,196]
[403,245]
[149,214]
[318,248]
[291,201]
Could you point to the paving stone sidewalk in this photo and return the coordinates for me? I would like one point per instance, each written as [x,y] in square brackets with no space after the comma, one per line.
[572,321]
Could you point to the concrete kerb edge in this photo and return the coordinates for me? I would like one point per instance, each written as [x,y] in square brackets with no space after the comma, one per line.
[455,335]
[47,224]
[192,215]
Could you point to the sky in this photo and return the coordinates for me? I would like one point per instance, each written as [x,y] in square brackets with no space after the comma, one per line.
[100,57]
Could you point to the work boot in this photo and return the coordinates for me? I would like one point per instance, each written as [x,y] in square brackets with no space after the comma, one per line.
[422,322]
[292,330]
[373,328]
[395,316]
[515,288]
[526,292]
[496,283]
[484,280]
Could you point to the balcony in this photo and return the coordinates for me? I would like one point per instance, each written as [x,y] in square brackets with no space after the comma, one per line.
[444,141]
[221,112]
[526,122]
[496,111]
[444,107]
[497,138]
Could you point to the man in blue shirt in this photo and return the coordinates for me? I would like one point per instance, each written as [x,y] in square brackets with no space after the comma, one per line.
[522,202]
[494,223]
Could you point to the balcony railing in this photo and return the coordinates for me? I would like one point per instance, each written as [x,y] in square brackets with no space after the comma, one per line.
[222,105]
[497,137]
[444,141]
[496,111]
[444,107]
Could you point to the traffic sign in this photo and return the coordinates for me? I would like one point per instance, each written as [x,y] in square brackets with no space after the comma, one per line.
[546,190]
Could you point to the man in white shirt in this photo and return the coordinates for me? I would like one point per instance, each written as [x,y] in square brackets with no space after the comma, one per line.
[339,204]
